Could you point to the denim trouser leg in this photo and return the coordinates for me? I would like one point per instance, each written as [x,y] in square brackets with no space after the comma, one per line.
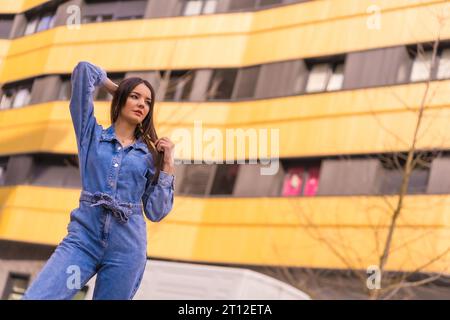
[123,264]
[116,282]
[100,242]
[68,270]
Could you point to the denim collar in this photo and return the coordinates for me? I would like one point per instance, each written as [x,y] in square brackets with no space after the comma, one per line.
[109,134]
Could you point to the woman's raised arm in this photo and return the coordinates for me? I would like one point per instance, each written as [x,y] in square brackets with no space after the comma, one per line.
[85,77]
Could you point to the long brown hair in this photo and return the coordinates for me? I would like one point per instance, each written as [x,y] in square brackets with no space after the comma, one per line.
[146,129]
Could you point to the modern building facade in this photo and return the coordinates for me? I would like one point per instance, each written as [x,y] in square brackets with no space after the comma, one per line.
[341,82]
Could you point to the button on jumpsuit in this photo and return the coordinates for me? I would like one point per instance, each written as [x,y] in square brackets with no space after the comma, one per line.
[107,232]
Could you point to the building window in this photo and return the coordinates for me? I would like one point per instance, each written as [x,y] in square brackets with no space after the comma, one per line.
[3,164]
[16,95]
[180,85]
[99,11]
[266,3]
[393,172]
[328,76]
[318,77]
[65,90]
[196,179]
[444,65]
[403,71]
[197,7]
[97,18]
[22,98]
[221,85]
[102,11]
[421,69]
[224,179]
[41,19]
[15,286]
[293,182]
[55,171]
[210,6]
[301,181]
[31,26]
[6,23]
[420,63]
[7,98]
[46,22]
[193,8]
[131,9]
[101,94]
[337,78]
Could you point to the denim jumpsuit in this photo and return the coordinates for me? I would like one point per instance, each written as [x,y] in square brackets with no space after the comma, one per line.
[107,232]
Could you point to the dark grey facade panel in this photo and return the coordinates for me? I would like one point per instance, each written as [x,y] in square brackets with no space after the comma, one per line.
[12,250]
[72,178]
[19,25]
[56,176]
[200,85]
[418,181]
[238,5]
[92,8]
[165,8]
[263,3]
[439,181]
[375,67]
[348,177]
[131,8]
[245,84]
[363,69]
[197,179]
[179,174]
[389,181]
[222,84]
[164,80]
[395,58]
[45,89]
[19,169]
[36,170]
[281,79]
[250,182]
[224,179]
[222,6]
[6,25]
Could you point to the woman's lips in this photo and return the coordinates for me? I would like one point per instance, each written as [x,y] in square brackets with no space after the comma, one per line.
[138,113]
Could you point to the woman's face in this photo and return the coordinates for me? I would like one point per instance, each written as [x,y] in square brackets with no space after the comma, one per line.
[137,105]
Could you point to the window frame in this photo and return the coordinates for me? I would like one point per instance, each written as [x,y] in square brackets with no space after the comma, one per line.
[202,8]
[9,286]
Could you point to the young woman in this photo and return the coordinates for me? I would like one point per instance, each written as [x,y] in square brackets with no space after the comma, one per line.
[125,169]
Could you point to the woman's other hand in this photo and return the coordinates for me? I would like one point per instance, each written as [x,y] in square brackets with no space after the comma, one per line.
[165,145]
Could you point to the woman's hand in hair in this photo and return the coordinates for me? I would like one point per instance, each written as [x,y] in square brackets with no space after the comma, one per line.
[110,86]
[165,145]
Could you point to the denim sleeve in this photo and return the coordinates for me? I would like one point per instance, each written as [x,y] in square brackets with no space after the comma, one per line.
[85,77]
[158,199]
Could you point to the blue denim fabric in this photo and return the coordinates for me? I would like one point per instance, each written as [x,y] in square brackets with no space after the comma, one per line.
[107,232]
